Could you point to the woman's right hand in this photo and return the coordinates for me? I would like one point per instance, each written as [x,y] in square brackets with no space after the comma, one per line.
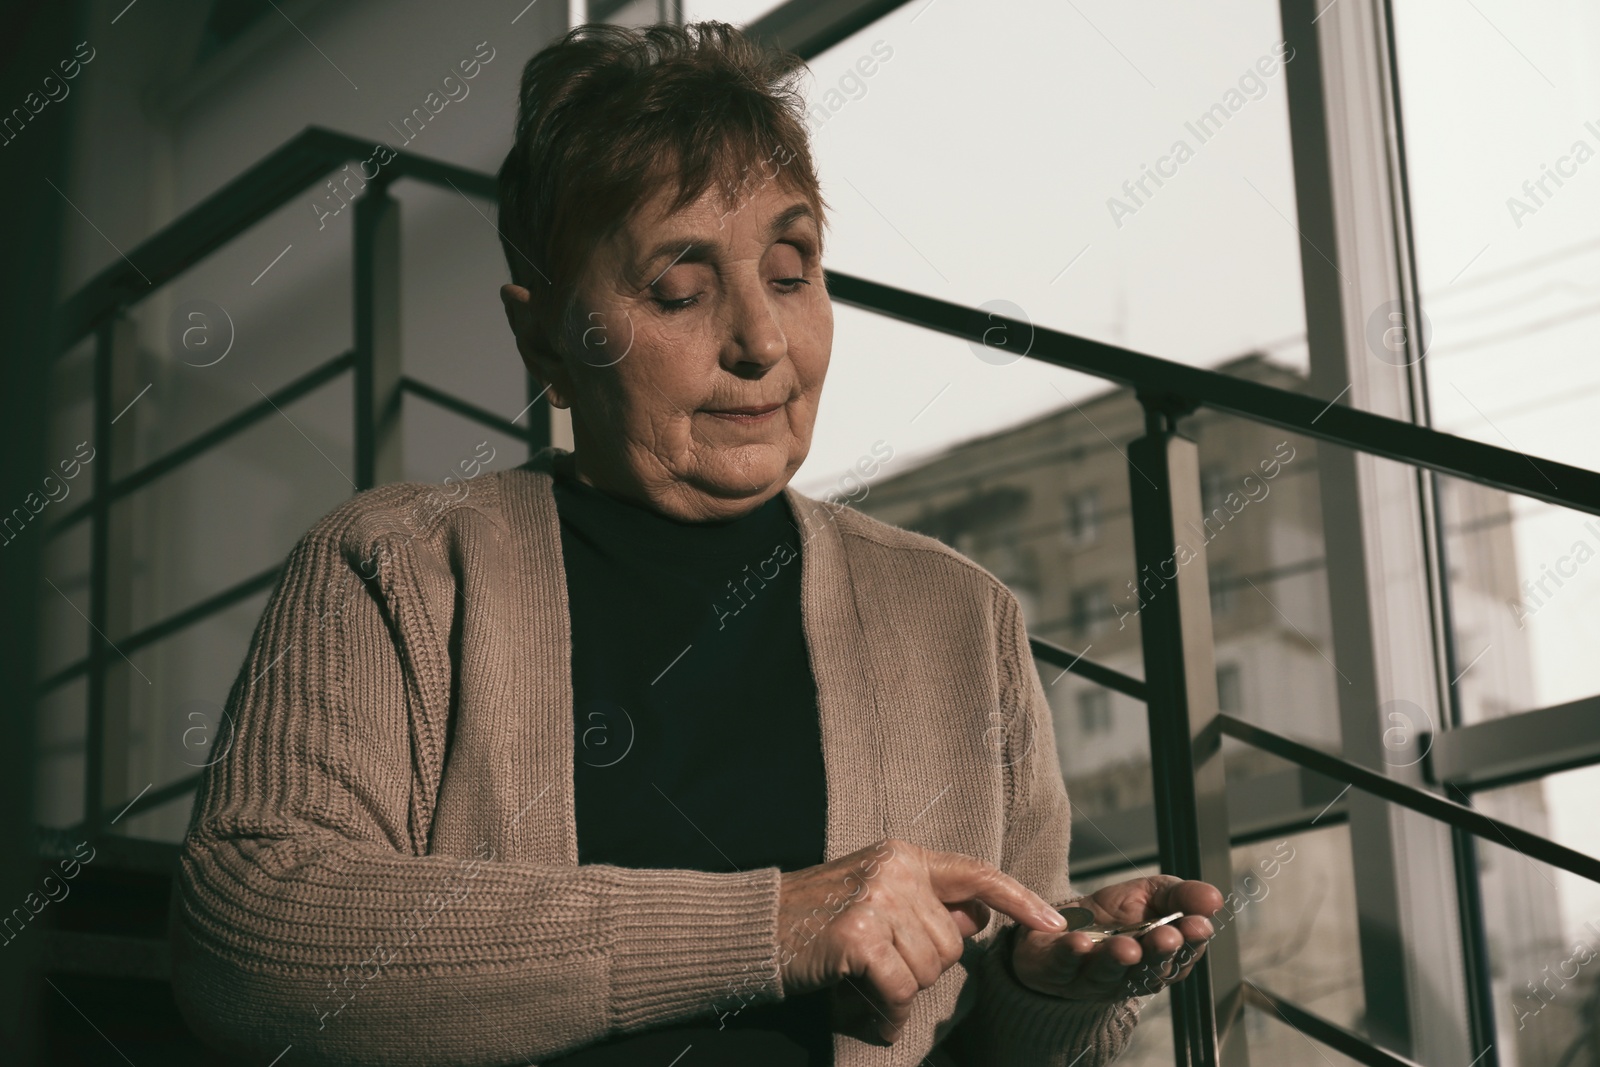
[888,920]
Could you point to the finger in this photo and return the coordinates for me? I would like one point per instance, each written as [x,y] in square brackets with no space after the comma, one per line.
[1107,968]
[893,987]
[1190,897]
[970,916]
[943,933]
[1195,928]
[1158,972]
[955,877]
[1161,943]
[1069,955]
[911,940]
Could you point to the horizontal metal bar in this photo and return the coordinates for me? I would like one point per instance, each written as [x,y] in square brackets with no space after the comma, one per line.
[213,604]
[1420,800]
[76,669]
[810,27]
[1094,672]
[172,624]
[153,799]
[1104,864]
[234,208]
[1262,806]
[1518,748]
[1186,387]
[215,436]
[464,408]
[1316,1027]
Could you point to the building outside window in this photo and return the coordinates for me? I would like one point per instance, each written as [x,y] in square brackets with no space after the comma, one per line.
[1090,608]
[1083,517]
[1094,712]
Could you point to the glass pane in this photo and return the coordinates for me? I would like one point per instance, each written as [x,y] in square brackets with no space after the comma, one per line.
[1507,220]
[1001,176]
[1559,807]
[1276,1038]
[1523,586]
[1261,532]
[1545,964]
[1507,230]
[1298,932]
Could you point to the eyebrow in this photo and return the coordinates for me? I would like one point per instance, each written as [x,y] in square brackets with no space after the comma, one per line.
[693,251]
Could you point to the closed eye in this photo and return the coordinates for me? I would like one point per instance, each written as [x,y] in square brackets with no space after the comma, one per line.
[678,304]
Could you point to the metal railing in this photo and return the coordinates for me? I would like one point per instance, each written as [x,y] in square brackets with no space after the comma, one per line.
[1186,728]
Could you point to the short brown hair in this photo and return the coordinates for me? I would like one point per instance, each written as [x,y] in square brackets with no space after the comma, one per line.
[607,116]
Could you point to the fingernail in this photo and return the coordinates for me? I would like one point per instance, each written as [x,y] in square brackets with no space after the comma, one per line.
[1053,919]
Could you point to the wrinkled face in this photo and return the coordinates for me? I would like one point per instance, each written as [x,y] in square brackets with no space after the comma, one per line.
[705,337]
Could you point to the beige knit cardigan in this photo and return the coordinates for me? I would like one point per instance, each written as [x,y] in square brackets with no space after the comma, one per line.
[381,866]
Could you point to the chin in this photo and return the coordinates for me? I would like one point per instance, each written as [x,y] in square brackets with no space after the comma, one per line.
[734,471]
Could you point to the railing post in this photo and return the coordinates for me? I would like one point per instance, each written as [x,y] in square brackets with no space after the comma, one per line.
[377,329]
[1185,742]
[110,569]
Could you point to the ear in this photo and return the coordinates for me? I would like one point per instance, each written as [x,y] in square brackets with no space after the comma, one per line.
[545,366]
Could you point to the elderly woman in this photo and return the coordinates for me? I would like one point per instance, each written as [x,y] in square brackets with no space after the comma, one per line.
[635,752]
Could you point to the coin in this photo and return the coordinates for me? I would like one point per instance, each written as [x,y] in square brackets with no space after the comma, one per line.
[1082,920]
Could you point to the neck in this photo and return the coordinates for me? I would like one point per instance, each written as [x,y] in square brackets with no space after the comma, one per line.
[675,499]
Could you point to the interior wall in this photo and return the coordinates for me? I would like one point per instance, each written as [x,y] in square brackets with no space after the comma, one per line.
[161,128]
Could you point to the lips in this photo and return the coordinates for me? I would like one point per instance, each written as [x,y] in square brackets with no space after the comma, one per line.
[747,412]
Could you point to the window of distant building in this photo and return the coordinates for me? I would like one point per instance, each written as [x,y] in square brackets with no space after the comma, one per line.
[1094,712]
[1083,517]
[1221,580]
[1090,607]
[1213,487]
[1230,689]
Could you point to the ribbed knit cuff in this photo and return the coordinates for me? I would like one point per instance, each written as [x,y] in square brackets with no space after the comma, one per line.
[1042,1027]
[689,936]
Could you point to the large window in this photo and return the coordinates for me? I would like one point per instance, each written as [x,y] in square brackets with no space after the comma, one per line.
[1502,112]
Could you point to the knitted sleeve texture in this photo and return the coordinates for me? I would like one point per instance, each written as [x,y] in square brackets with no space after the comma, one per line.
[308,911]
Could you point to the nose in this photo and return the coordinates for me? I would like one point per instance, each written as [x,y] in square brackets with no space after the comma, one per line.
[755,336]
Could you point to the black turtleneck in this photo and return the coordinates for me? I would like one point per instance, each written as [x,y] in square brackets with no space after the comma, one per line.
[697,743]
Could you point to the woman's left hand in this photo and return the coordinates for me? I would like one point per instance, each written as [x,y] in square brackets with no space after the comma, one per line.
[1070,965]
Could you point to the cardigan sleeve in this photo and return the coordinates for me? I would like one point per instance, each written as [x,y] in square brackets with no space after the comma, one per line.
[1010,1024]
[309,914]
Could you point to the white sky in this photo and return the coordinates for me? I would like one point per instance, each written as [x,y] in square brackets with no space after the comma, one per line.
[983,177]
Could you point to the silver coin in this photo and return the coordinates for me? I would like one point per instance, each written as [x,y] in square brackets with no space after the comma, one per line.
[1081,920]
